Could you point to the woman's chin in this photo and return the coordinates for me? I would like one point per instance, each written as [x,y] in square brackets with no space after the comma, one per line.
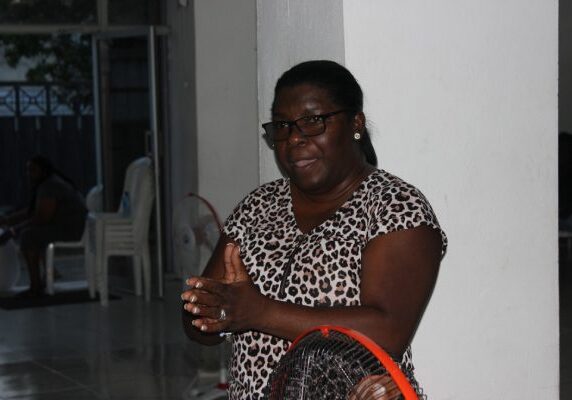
[308,183]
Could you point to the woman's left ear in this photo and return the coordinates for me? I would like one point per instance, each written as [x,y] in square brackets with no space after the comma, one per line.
[358,123]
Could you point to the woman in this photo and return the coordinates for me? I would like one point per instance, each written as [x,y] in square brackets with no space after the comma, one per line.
[336,242]
[56,213]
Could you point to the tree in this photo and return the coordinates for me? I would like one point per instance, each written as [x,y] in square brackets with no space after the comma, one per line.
[62,59]
[48,11]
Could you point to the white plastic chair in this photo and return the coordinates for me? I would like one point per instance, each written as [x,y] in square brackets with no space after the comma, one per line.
[94,202]
[126,232]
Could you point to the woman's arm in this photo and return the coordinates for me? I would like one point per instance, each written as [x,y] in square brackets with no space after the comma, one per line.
[399,271]
[14,218]
[43,214]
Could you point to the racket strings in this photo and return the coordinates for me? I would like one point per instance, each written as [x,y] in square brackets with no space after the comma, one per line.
[326,367]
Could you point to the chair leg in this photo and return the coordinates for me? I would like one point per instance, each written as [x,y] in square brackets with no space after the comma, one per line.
[90,272]
[137,273]
[50,269]
[104,282]
[101,260]
[101,267]
[147,273]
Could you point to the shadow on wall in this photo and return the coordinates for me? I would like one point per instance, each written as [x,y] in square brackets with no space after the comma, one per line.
[565,181]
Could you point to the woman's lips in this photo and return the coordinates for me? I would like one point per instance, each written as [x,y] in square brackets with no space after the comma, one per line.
[303,163]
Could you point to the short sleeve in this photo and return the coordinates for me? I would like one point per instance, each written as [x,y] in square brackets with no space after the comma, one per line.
[256,210]
[236,223]
[244,216]
[403,206]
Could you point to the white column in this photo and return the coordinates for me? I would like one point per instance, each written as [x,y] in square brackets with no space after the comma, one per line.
[289,32]
[462,99]
[226,95]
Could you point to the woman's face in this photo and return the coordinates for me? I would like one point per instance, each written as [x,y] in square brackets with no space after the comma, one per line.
[316,164]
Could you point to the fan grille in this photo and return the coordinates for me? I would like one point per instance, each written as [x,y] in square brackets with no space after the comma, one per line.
[323,365]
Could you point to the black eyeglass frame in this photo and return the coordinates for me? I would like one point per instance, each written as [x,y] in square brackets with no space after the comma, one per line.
[293,123]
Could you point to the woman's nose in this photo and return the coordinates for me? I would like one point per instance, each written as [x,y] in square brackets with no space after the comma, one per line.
[296,136]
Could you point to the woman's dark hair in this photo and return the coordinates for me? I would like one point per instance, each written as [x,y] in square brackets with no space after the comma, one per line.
[339,82]
[48,168]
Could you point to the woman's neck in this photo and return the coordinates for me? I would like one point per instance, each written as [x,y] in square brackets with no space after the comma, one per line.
[338,193]
[312,209]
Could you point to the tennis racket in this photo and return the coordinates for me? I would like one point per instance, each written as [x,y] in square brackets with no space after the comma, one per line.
[331,362]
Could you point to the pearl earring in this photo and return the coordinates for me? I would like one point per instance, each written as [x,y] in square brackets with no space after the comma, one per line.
[357,136]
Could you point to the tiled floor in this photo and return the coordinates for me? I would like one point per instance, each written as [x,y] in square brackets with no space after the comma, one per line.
[133,349]
[130,350]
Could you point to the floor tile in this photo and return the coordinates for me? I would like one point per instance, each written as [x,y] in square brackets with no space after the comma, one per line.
[139,388]
[27,378]
[130,350]
[72,394]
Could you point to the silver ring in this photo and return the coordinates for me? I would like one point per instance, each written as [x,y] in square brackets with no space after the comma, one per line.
[226,335]
[222,315]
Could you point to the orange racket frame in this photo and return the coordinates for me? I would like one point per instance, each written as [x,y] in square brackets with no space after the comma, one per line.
[385,359]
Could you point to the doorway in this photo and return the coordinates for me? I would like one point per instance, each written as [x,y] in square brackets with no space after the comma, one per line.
[128,121]
[120,121]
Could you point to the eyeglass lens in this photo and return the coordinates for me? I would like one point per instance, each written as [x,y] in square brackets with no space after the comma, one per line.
[309,126]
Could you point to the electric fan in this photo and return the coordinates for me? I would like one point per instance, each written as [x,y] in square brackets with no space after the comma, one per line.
[330,362]
[196,229]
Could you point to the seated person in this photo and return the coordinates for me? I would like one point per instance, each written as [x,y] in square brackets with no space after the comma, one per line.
[56,213]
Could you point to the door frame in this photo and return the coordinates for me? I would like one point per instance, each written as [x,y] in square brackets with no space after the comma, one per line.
[151,33]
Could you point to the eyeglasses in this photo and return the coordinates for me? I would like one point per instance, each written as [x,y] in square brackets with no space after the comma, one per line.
[312,125]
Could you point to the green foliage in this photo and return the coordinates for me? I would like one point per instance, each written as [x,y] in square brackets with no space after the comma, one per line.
[61,59]
[47,11]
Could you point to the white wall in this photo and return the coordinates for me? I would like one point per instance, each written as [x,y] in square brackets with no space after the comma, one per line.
[565,67]
[182,149]
[226,95]
[463,100]
[291,31]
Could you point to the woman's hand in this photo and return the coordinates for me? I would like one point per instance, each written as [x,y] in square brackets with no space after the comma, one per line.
[375,387]
[230,304]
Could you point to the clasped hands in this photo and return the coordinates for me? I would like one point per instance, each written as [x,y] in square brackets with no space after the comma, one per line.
[231,304]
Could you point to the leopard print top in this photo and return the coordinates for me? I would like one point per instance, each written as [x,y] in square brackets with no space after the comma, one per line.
[318,268]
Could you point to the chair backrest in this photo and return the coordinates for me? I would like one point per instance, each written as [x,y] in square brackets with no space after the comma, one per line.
[139,186]
[94,199]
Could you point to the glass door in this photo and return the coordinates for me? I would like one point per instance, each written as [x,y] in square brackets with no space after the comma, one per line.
[127,125]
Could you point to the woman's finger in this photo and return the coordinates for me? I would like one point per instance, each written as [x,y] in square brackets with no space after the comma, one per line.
[238,267]
[198,296]
[210,325]
[203,311]
[213,286]
[206,284]
[229,273]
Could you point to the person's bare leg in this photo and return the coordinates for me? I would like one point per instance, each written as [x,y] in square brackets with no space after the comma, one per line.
[37,284]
